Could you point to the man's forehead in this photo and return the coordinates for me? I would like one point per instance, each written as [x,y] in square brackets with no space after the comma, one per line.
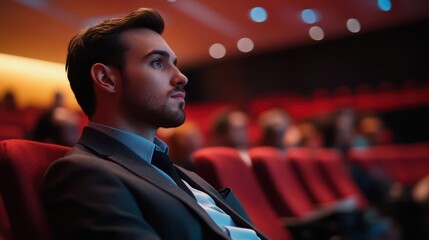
[147,40]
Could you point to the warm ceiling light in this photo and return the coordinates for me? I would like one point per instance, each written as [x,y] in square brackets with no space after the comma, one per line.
[316,33]
[353,25]
[34,81]
[258,14]
[245,45]
[309,16]
[171,0]
[217,51]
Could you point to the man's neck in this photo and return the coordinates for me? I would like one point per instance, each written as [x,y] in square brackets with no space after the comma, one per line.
[138,128]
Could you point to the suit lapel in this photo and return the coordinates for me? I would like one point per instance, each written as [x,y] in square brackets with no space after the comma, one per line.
[113,150]
[195,181]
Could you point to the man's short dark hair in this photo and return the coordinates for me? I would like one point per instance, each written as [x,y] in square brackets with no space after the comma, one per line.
[102,43]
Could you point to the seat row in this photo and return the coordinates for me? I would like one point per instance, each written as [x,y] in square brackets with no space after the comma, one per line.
[300,107]
[282,191]
[23,162]
[403,163]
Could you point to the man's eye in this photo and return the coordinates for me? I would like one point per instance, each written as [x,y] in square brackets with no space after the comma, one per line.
[156,64]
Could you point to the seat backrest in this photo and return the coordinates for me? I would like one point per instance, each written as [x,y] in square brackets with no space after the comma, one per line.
[375,156]
[5,231]
[338,176]
[307,171]
[224,167]
[22,165]
[415,162]
[279,182]
[405,163]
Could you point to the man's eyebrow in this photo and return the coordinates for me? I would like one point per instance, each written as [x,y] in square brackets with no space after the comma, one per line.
[162,53]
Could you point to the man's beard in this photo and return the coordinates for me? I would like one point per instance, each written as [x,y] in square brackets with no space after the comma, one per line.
[167,118]
[161,116]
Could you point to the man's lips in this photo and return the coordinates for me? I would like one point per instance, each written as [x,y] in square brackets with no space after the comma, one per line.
[180,95]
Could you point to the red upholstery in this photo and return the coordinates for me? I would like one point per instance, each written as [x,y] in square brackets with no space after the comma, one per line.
[310,176]
[223,167]
[14,124]
[415,161]
[280,183]
[335,171]
[9,131]
[406,163]
[22,165]
[16,118]
[5,231]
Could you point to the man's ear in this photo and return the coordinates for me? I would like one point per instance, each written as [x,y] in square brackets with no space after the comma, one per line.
[104,77]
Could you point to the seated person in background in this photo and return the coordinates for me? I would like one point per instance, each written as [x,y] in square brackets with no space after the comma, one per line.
[340,132]
[339,129]
[118,182]
[371,131]
[274,123]
[230,129]
[185,140]
[59,125]
[12,119]
[409,205]
[8,103]
[303,134]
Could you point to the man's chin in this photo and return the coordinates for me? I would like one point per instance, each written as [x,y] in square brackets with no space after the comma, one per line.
[175,122]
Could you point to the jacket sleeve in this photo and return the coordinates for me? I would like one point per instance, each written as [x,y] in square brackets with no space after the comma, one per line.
[84,201]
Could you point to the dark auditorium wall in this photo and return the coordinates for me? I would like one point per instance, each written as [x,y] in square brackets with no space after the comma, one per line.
[394,55]
[409,125]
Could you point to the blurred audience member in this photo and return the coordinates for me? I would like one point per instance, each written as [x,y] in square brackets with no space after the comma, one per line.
[13,122]
[410,207]
[340,129]
[371,131]
[58,100]
[274,124]
[420,192]
[183,141]
[8,103]
[346,129]
[340,133]
[305,133]
[59,125]
[231,129]
[293,136]
[310,134]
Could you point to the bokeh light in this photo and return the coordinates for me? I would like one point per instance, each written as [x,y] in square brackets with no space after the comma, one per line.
[217,51]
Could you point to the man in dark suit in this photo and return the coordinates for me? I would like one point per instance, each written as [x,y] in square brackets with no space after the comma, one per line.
[117,182]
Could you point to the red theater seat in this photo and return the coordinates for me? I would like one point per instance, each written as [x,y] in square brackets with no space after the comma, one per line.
[337,175]
[310,176]
[224,167]
[407,163]
[414,162]
[9,131]
[288,197]
[5,231]
[22,165]
[12,124]
[280,183]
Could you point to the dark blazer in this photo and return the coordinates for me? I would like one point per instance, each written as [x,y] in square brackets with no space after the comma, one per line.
[102,190]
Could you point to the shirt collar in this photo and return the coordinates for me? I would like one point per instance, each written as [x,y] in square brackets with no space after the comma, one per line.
[139,145]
